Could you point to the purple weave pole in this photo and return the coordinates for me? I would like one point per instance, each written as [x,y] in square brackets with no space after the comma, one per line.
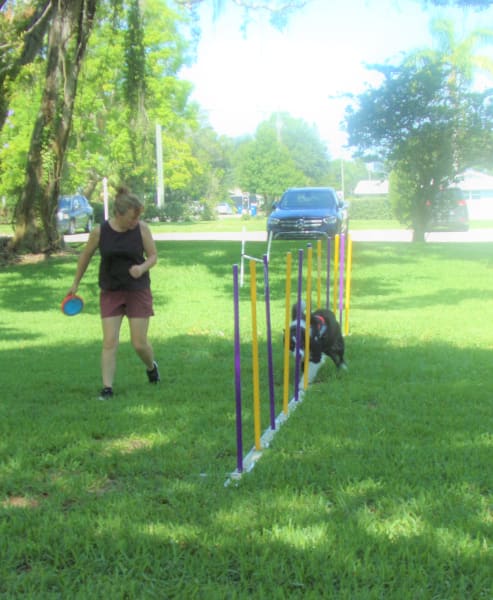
[239,434]
[341,278]
[297,369]
[327,302]
[269,344]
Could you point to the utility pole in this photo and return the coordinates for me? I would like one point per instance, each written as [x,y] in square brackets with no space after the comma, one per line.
[159,165]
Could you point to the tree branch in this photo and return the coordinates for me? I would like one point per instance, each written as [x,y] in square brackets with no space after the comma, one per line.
[271,7]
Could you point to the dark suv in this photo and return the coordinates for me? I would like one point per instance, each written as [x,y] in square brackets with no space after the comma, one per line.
[448,210]
[310,212]
[74,213]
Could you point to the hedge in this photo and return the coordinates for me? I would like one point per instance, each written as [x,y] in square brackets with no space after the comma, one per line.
[370,207]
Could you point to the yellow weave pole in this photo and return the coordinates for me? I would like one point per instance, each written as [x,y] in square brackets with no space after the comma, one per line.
[336,271]
[287,323]
[307,317]
[319,273]
[256,386]
[349,262]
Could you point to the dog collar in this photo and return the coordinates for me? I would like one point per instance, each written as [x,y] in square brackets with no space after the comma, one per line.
[321,325]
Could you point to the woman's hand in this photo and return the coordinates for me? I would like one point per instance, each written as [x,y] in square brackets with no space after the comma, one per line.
[136,271]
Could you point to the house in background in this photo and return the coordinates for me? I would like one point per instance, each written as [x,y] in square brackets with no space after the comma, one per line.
[477,186]
[372,187]
[479,191]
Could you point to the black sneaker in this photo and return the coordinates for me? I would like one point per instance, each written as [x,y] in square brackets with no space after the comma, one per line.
[106,393]
[153,374]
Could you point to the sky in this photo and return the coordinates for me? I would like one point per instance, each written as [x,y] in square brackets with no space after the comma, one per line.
[240,81]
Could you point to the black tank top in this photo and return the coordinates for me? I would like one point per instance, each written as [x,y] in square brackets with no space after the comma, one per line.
[119,251]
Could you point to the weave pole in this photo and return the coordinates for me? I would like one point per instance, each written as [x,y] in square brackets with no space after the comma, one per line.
[348,282]
[319,273]
[237,367]
[269,343]
[327,283]
[308,313]
[287,323]
[336,272]
[255,360]
[341,279]
[297,367]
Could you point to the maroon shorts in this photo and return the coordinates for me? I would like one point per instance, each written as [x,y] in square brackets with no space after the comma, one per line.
[135,304]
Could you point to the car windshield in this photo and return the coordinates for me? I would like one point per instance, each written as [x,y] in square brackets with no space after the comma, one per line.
[302,199]
[64,203]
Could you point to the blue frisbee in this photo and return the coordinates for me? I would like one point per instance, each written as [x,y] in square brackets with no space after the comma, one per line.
[72,305]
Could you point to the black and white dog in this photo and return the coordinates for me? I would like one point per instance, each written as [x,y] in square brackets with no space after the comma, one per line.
[325,336]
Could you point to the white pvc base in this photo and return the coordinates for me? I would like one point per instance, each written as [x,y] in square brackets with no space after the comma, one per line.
[254,455]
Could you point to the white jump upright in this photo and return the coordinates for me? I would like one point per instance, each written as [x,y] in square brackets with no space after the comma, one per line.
[244,256]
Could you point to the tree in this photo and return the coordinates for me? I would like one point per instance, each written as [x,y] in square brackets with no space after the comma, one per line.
[213,153]
[344,175]
[461,52]
[120,97]
[477,4]
[304,145]
[68,25]
[71,25]
[285,152]
[278,11]
[22,31]
[460,55]
[424,126]
[263,166]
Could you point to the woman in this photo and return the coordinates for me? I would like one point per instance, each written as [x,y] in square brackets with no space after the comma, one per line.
[127,253]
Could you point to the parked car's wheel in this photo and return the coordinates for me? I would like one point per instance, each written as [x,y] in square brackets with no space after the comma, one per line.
[71,227]
[89,225]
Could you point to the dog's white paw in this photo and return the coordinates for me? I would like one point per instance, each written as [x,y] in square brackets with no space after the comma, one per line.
[313,370]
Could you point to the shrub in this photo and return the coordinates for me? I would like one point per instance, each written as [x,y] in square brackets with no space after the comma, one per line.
[98,212]
[370,208]
[208,212]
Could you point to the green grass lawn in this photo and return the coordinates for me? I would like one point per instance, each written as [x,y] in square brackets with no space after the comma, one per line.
[378,486]
[258,223]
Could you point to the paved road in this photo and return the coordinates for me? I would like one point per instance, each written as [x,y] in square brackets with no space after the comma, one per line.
[381,235]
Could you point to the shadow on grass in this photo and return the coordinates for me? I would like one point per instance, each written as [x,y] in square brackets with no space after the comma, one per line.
[379,481]
[378,485]
[41,287]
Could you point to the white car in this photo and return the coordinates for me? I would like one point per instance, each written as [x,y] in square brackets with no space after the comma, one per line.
[224,209]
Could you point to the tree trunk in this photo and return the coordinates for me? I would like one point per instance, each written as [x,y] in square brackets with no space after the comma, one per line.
[419,220]
[35,212]
[419,234]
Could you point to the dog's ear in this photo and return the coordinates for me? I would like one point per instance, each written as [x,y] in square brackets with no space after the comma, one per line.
[294,311]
